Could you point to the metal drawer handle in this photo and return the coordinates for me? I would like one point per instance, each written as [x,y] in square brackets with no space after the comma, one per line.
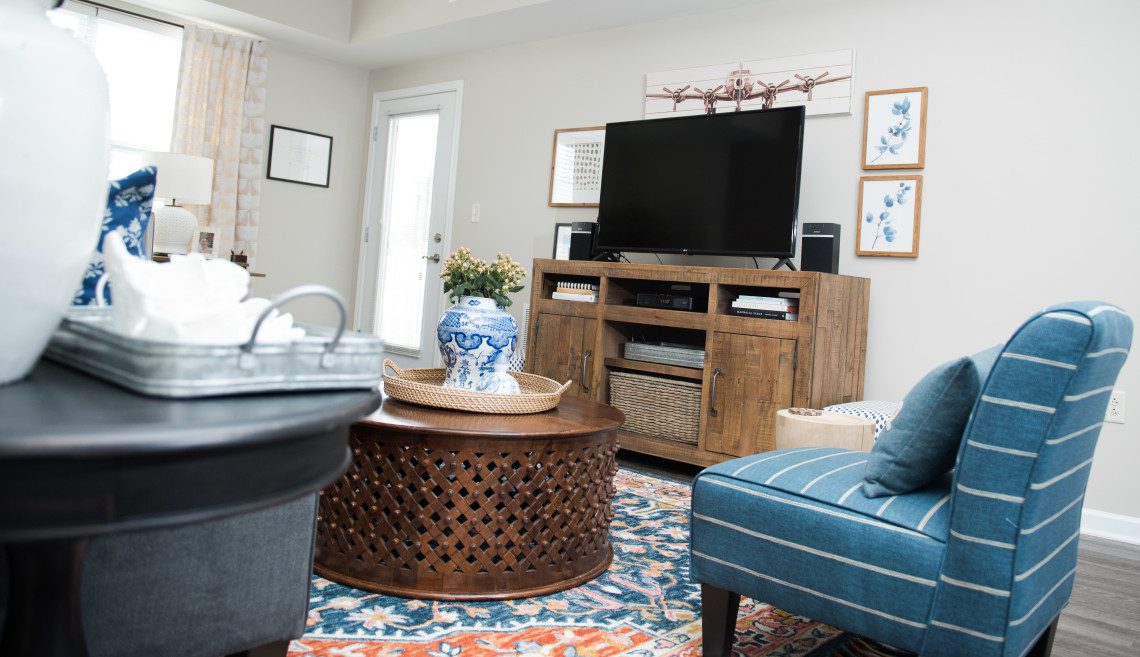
[712,392]
[582,379]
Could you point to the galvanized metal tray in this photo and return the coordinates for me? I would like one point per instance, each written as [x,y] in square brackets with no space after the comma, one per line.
[666,353]
[325,359]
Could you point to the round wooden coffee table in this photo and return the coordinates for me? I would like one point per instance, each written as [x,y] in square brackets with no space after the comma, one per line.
[460,506]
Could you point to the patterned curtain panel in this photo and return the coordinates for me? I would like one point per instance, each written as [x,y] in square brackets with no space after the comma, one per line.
[220,115]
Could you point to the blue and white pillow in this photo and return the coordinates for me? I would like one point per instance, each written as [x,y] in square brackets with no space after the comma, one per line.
[879,412]
[127,213]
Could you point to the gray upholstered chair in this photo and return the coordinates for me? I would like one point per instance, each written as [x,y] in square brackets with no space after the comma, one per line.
[234,586]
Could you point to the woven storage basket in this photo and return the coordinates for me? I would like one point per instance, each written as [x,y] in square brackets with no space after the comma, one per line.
[425,387]
[656,406]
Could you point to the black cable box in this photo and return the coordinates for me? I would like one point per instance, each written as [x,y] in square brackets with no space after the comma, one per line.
[665,300]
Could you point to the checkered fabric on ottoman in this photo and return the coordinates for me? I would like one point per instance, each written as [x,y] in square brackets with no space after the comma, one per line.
[879,412]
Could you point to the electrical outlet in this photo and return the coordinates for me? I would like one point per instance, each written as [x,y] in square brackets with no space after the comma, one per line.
[1115,412]
[474,213]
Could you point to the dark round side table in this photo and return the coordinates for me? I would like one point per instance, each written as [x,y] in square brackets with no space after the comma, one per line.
[461,506]
[80,457]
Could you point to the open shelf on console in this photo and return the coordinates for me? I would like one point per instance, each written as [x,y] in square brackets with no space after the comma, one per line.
[624,291]
[726,294]
[550,281]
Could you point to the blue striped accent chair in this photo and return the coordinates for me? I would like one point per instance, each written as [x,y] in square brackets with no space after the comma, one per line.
[980,563]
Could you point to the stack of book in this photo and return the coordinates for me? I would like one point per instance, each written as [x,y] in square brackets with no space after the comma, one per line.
[778,307]
[568,291]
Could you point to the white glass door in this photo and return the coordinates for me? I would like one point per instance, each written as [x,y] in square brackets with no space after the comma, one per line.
[407,225]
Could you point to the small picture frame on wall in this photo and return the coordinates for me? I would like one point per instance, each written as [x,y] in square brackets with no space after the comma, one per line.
[576,167]
[299,156]
[889,212]
[894,129]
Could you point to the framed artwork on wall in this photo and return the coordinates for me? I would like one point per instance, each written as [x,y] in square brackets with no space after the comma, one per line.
[576,167]
[299,156]
[894,129]
[889,213]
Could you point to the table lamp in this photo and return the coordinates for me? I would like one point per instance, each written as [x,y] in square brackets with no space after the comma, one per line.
[183,180]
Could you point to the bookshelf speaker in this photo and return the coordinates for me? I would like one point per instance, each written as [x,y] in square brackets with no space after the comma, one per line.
[582,240]
[820,248]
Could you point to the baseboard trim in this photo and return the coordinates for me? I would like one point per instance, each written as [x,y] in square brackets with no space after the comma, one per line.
[1113,526]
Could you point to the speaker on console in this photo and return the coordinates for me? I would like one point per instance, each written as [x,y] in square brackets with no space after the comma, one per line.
[582,240]
[819,249]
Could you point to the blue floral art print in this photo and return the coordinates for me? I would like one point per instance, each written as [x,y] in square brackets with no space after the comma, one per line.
[883,226]
[127,213]
[895,126]
[896,135]
[888,215]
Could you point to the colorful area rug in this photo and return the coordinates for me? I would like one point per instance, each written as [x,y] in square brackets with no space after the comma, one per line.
[643,606]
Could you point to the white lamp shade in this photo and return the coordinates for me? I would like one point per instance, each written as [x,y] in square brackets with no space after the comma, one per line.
[188,179]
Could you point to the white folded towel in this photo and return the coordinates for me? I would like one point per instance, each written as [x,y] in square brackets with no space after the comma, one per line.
[188,300]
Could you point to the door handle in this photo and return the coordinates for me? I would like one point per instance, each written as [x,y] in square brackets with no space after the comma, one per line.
[712,392]
[433,258]
[582,379]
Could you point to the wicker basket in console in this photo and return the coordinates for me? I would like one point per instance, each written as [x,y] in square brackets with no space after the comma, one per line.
[657,406]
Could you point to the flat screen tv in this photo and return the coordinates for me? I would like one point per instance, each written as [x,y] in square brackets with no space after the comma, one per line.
[723,184]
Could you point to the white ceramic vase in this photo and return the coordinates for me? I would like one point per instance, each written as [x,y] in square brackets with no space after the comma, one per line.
[53,176]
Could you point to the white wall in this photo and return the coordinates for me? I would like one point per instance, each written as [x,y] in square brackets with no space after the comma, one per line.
[310,234]
[1032,158]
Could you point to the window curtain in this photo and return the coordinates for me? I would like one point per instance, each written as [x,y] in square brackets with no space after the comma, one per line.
[220,115]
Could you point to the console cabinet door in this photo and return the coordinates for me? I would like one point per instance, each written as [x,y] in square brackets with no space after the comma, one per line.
[754,381]
[564,349]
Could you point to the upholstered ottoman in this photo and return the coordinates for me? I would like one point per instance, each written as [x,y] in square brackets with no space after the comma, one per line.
[826,430]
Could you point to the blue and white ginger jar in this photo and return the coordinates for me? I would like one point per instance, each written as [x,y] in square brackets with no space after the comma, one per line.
[475,335]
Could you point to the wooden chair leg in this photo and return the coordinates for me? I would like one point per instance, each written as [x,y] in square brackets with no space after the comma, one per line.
[274,649]
[1044,645]
[718,620]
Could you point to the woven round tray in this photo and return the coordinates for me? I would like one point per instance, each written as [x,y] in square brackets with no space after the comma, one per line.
[425,387]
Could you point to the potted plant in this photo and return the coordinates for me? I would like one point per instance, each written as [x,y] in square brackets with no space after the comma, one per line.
[476,335]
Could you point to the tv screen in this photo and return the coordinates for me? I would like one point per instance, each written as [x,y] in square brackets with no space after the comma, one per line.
[724,184]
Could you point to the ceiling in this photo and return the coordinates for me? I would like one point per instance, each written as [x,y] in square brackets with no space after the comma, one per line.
[380,33]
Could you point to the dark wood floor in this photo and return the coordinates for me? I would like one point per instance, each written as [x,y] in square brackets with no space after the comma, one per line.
[1103,616]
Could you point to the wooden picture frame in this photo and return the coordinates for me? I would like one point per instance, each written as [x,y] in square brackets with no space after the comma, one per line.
[299,156]
[896,234]
[887,139]
[576,167]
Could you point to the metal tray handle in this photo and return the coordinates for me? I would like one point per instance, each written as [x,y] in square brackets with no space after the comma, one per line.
[328,359]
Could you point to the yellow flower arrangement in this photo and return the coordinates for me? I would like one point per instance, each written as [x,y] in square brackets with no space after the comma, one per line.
[465,275]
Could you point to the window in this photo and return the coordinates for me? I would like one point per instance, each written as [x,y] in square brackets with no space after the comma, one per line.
[140,57]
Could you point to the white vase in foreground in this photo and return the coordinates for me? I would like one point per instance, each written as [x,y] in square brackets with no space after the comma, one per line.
[53,176]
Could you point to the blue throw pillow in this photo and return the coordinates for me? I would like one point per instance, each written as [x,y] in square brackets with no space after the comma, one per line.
[127,213]
[922,442]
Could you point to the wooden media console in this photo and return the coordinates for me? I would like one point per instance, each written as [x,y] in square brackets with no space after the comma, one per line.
[753,367]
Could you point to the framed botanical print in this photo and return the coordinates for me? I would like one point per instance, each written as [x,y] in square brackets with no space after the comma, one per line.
[894,129]
[889,213]
[576,167]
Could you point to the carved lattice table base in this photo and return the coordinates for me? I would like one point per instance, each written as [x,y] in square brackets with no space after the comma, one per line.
[446,505]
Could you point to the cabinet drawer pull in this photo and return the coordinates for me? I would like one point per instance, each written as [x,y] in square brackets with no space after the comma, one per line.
[712,392]
[582,379]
